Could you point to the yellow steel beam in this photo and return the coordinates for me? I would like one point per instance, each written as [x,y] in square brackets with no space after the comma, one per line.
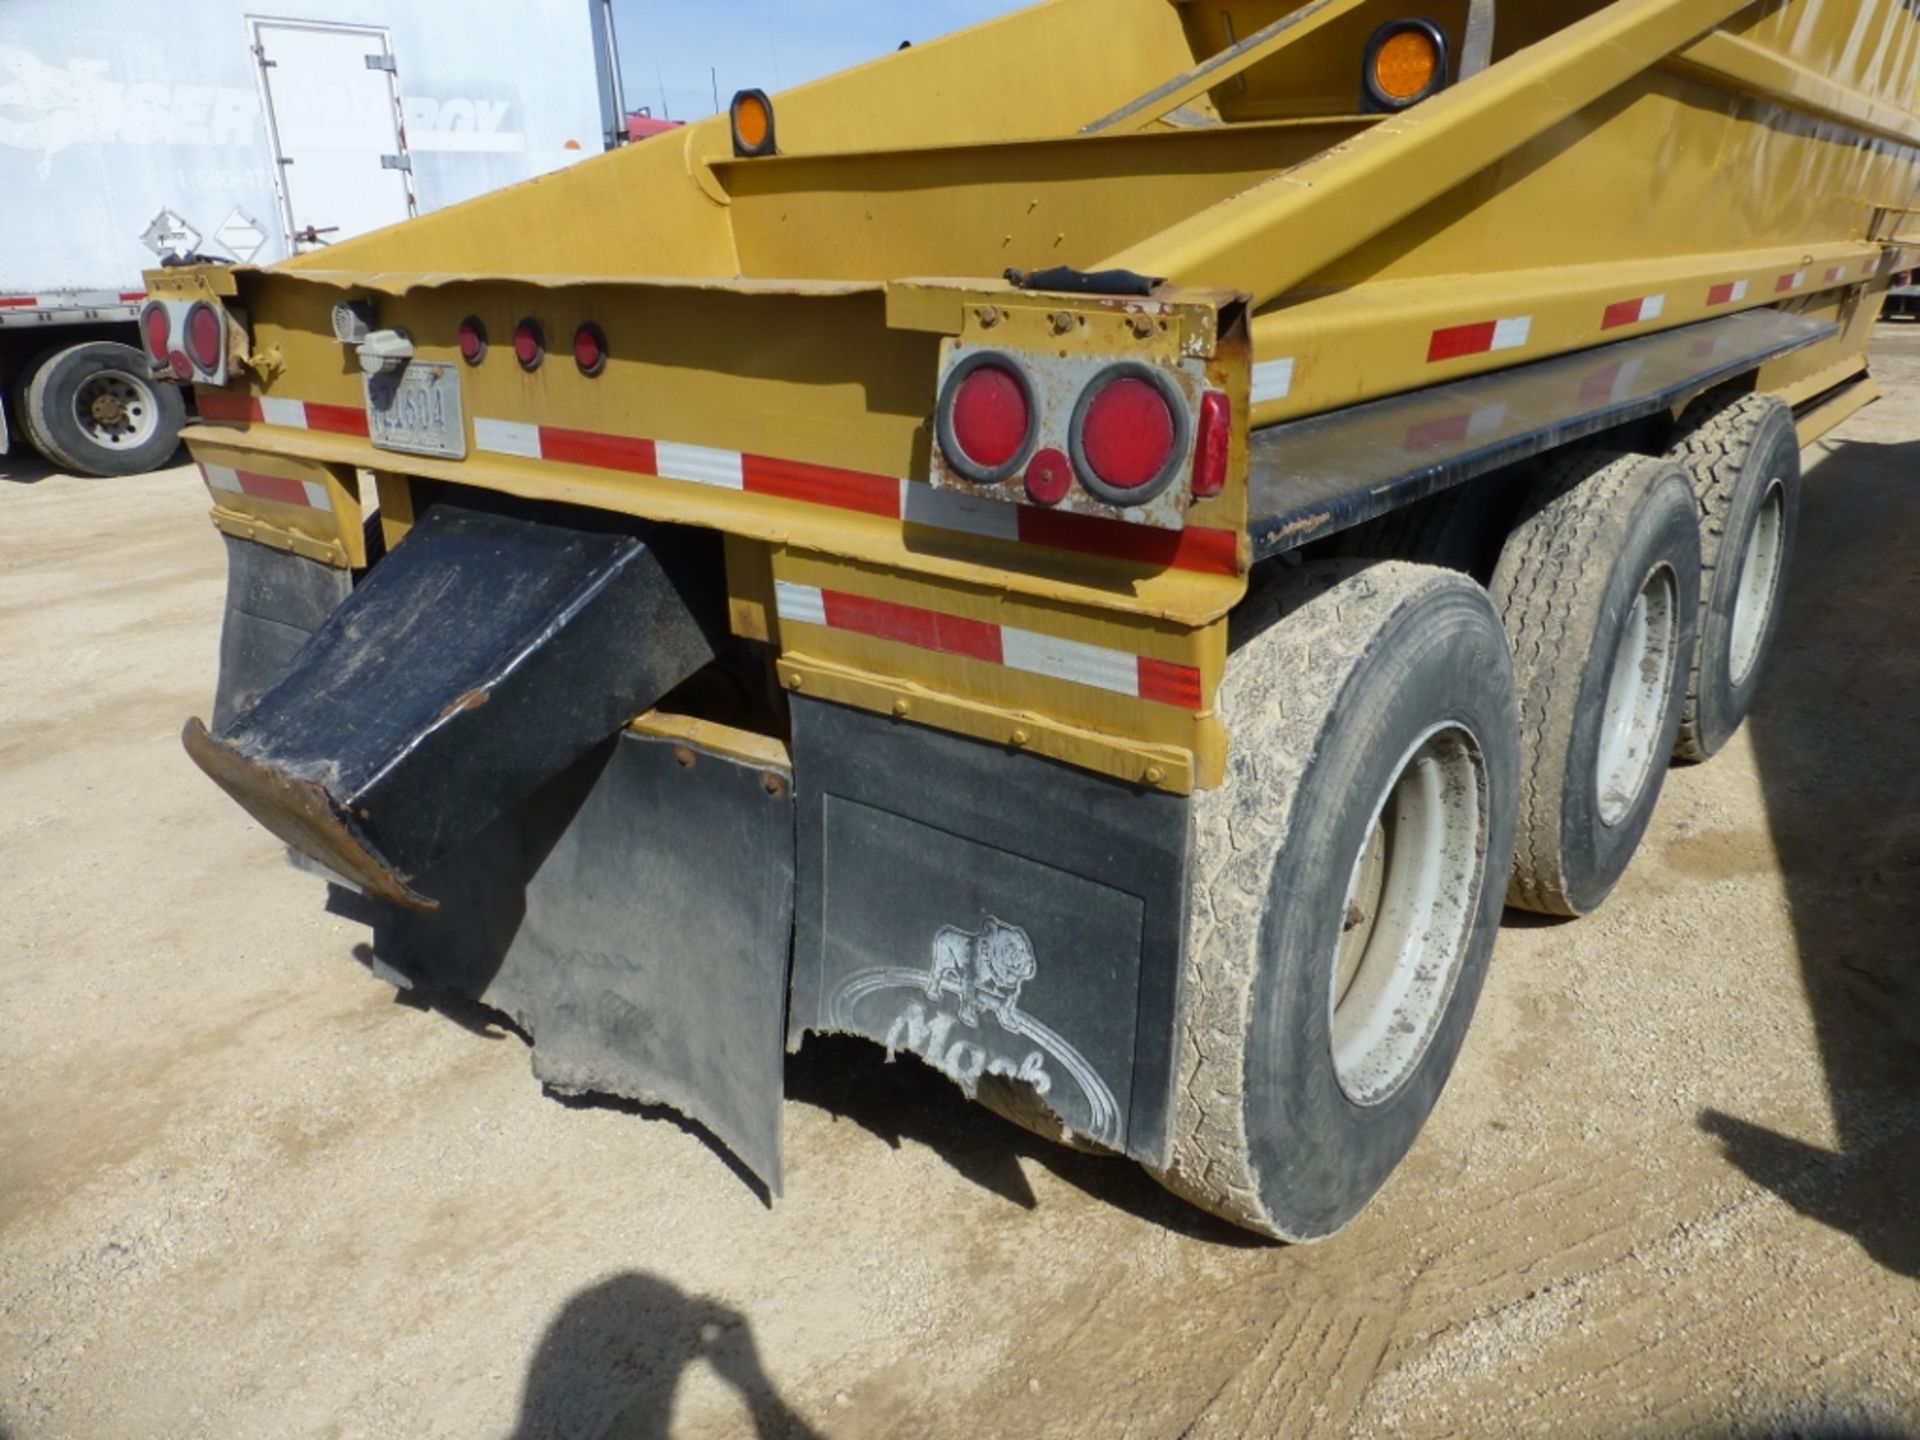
[1289,29]
[1757,69]
[1275,235]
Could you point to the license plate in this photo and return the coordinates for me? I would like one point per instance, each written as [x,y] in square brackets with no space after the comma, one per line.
[417,410]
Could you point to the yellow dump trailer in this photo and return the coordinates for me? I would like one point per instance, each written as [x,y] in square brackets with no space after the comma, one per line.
[1101,550]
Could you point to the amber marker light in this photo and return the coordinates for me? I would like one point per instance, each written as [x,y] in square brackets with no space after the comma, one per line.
[752,115]
[1406,62]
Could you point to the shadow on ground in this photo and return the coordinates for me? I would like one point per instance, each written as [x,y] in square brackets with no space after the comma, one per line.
[23,467]
[1836,737]
[610,1364]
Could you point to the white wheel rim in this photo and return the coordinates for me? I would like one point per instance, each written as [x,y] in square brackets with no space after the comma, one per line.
[1637,695]
[1759,583]
[115,410]
[1412,897]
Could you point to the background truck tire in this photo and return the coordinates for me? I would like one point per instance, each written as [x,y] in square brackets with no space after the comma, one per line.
[1743,456]
[1347,680]
[1600,586]
[92,409]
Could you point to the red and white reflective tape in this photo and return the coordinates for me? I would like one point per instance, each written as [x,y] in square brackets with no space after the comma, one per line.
[309,493]
[1479,338]
[1726,292]
[74,300]
[1272,380]
[1792,281]
[1117,671]
[1633,312]
[1834,272]
[227,407]
[1196,548]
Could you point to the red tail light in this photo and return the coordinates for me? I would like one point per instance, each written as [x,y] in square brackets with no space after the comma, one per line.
[1129,434]
[158,330]
[473,340]
[986,418]
[206,337]
[1212,444]
[590,349]
[181,366]
[529,344]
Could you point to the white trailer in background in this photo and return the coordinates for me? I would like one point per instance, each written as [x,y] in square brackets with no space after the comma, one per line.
[245,131]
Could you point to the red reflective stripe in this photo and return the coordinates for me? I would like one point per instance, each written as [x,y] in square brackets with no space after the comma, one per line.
[132,295]
[338,419]
[1783,284]
[15,302]
[911,625]
[1197,548]
[272,487]
[1623,312]
[1168,683]
[1720,294]
[229,406]
[609,452]
[821,485]
[1458,340]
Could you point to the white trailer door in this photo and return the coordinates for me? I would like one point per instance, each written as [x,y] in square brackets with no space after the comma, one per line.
[333,120]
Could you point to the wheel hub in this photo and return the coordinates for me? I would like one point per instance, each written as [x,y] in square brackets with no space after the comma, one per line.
[1409,915]
[108,409]
[116,410]
[1637,694]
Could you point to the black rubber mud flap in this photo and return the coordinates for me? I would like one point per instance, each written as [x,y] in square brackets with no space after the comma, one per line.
[498,643]
[635,916]
[275,601]
[992,912]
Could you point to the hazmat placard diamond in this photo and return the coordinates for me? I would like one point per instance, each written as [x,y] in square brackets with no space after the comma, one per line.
[169,234]
[240,235]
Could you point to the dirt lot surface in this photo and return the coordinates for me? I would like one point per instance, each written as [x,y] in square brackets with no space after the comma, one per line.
[244,1192]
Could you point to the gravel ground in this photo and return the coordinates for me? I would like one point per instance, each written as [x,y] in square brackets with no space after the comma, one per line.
[245,1191]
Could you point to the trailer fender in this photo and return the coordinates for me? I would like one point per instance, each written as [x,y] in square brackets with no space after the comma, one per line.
[497,644]
[992,912]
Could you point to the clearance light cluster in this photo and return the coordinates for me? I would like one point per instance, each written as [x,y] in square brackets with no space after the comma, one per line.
[1131,435]
[530,344]
[187,339]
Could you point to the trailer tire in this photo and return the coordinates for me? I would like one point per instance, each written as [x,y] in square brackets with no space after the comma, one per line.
[1600,587]
[1744,461]
[1349,682]
[94,409]
[22,412]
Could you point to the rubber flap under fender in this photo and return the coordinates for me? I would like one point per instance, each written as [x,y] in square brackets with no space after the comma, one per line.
[497,644]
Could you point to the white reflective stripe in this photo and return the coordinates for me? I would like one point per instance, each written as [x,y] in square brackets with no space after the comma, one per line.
[284,412]
[507,437]
[1799,279]
[699,464]
[955,510]
[803,603]
[1511,334]
[1272,380]
[1651,307]
[1074,660]
[221,477]
[317,495]
[1739,289]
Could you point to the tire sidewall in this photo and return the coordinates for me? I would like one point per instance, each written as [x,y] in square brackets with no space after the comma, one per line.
[1663,531]
[51,398]
[1721,705]
[1320,1156]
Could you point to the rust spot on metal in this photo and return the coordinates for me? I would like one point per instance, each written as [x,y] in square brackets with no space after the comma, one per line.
[773,784]
[472,700]
[300,812]
[1305,525]
[684,756]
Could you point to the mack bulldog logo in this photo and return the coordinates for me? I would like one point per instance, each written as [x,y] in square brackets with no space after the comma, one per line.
[959,1014]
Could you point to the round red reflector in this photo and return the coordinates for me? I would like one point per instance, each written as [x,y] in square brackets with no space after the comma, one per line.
[590,349]
[159,331]
[473,340]
[990,416]
[181,366]
[206,337]
[1049,477]
[529,344]
[1127,434]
